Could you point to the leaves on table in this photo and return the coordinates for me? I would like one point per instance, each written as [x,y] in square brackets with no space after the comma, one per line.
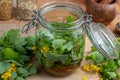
[33,69]
[4,66]
[95,57]
[30,40]
[14,75]
[10,54]
[20,78]
[108,68]
[22,72]
[13,49]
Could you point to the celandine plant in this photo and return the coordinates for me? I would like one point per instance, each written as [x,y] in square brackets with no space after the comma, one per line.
[107,69]
[17,56]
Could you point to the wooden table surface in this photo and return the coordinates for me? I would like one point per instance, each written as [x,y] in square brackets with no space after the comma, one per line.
[15,24]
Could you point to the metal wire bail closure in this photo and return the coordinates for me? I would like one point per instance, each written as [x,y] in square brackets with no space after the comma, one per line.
[88,19]
[32,23]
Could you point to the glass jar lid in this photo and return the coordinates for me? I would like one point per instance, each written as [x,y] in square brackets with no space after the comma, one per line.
[103,39]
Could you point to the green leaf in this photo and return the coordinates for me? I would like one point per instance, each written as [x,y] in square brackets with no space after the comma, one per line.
[110,65]
[118,62]
[76,33]
[76,56]
[95,56]
[13,61]
[21,41]
[4,66]
[14,75]
[25,58]
[7,65]
[20,49]
[19,45]
[93,49]
[12,36]
[1,55]
[68,46]
[2,38]
[10,54]
[2,69]
[57,43]
[20,78]
[111,75]
[53,58]
[12,39]
[61,25]
[39,57]
[118,39]
[33,69]
[30,40]
[70,19]
[46,35]
[22,72]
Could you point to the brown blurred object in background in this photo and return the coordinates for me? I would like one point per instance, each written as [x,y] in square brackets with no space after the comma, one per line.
[104,13]
[105,1]
[6,9]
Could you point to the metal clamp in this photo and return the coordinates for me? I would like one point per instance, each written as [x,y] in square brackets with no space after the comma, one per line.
[89,18]
[32,23]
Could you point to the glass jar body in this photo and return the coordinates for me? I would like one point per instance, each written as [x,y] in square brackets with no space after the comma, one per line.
[25,9]
[61,52]
[61,39]
[6,7]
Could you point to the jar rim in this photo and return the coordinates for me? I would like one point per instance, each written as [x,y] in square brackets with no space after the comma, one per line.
[66,4]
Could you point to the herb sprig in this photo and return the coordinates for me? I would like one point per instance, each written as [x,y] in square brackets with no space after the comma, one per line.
[107,69]
[16,56]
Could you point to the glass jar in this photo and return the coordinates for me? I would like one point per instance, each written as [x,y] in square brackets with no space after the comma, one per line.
[6,7]
[60,40]
[25,9]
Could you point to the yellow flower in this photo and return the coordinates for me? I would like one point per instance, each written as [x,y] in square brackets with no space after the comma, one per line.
[91,68]
[44,55]
[8,73]
[34,48]
[13,69]
[94,68]
[5,75]
[13,65]
[101,79]
[84,78]
[41,50]
[9,70]
[86,68]
[45,49]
